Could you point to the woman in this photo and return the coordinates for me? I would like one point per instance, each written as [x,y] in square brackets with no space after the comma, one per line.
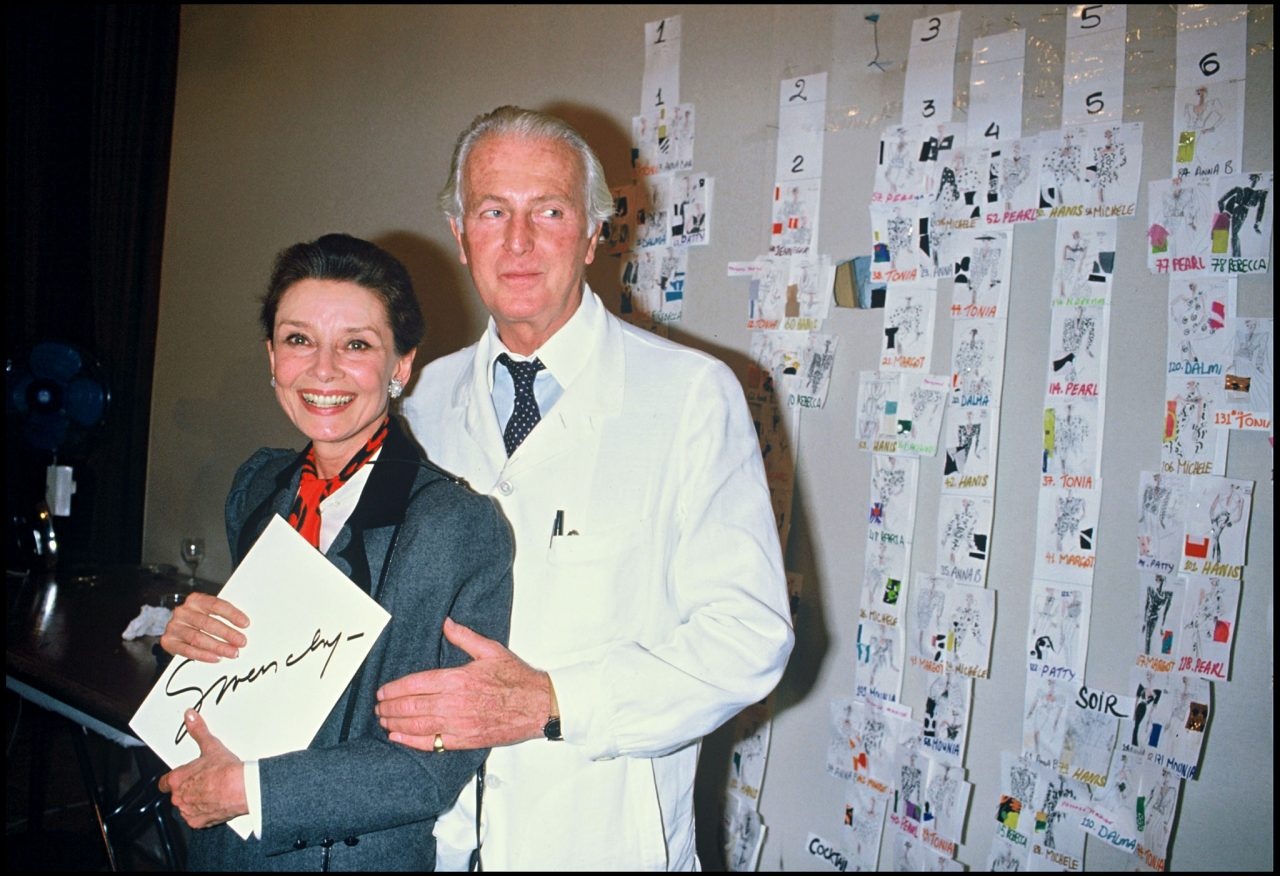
[342,326]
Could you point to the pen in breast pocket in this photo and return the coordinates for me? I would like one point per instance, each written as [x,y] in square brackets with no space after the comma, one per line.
[557,528]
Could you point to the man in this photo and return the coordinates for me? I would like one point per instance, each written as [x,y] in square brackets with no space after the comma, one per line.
[650,602]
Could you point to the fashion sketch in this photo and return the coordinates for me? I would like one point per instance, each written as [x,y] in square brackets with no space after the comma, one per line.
[1044,724]
[1201,311]
[1078,347]
[1250,377]
[1161,613]
[1208,626]
[1217,523]
[1208,128]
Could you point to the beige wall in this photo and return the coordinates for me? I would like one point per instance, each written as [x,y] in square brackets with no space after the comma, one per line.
[293,121]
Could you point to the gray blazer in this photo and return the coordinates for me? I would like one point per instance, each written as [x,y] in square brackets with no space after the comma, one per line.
[425,547]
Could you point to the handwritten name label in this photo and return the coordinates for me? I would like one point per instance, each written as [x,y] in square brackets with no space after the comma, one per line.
[935,666]
[824,851]
[1212,569]
[1012,836]
[1158,664]
[1183,466]
[1048,670]
[1195,368]
[941,746]
[1069,482]
[1089,390]
[1179,265]
[1011,216]
[966,482]
[1151,859]
[1242,420]
[902,363]
[960,573]
[1093,778]
[1065,559]
[973,311]
[1103,701]
[1238,266]
[1208,668]
[1182,768]
[939,843]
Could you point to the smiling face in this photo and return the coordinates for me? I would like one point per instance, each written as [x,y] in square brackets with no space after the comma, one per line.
[332,354]
[524,234]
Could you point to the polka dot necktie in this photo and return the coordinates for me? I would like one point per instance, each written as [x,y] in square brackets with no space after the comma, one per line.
[525,415]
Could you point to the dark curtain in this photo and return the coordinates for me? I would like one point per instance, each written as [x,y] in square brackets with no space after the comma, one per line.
[88,122]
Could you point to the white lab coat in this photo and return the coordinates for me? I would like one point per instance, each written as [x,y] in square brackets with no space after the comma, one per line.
[659,614]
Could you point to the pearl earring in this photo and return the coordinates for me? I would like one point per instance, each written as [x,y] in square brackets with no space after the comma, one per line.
[395,387]
[273,381]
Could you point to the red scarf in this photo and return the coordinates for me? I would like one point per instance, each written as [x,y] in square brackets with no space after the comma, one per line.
[304,516]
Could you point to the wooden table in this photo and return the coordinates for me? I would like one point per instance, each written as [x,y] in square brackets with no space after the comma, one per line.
[64,653]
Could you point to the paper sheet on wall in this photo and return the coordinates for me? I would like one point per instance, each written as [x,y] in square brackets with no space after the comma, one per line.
[971,612]
[969,444]
[995,87]
[1093,72]
[864,811]
[1249,381]
[751,729]
[1240,233]
[928,93]
[661,81]
[1208,120]
[797,192]
[312,628]
[1162,516]
[1067,529]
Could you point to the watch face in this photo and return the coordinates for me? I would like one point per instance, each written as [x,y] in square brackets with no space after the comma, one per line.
[551,729]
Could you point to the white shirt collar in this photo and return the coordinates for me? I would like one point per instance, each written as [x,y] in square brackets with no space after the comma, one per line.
[565,353]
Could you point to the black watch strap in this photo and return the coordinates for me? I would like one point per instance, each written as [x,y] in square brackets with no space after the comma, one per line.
[551,729]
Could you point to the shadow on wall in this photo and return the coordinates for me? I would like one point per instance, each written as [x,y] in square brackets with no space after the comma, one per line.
[613,145]
[453,313]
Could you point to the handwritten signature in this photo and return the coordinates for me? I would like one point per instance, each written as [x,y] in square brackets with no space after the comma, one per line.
[224,685]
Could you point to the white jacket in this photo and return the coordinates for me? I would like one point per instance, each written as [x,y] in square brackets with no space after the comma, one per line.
[659,614]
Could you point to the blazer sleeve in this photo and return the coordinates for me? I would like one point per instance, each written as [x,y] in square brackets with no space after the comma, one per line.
[452,558]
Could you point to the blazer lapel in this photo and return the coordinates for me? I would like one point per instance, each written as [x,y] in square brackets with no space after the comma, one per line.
[473,410]
[382,504]
[278,501]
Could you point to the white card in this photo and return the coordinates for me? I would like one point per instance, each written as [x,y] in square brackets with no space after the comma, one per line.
[312,628]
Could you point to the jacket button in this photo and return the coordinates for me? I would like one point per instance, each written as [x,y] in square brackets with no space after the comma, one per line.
[505,488]
[326,843]
[351,840]
[300,844]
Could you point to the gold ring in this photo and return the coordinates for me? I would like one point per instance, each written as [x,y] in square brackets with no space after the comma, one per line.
[438,745]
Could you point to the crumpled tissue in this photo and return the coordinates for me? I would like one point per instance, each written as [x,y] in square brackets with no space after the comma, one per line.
[151,622]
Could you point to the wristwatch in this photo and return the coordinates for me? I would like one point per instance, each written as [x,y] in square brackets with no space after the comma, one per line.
[551,729]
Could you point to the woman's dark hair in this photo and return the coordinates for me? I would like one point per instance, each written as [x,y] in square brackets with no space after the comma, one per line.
[350,259]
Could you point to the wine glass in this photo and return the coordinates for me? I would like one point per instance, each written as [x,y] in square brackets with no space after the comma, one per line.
[192,554]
